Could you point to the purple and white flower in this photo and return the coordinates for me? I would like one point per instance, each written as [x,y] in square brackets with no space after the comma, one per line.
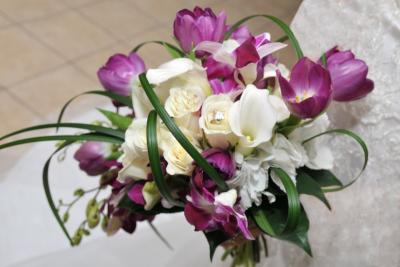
[309,90]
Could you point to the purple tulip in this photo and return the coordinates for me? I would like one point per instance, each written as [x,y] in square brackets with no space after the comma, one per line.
[349,75]
[309,91]
[92,158]
[193,27]
[118,73]
[206,213]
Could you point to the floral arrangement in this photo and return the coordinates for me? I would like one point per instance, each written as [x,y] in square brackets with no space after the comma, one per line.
[223,132]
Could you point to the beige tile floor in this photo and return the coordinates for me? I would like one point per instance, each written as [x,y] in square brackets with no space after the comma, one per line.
[50,50]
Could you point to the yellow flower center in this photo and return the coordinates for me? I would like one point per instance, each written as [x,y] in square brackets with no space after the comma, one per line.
[305,95]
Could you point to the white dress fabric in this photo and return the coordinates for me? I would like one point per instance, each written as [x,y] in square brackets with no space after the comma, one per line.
[361,230]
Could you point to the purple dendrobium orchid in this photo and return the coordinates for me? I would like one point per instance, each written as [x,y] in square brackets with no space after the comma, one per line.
[309,91]
[220,159]
[92,158]
[217,70]
[193,27]
[208,212]
[223,87]
[348,75]
[135,193]
[247,57]
[118,73]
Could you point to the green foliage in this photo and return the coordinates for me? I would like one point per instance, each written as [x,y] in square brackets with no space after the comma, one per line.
[117,120]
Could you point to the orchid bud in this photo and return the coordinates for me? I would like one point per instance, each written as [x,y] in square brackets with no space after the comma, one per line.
[92,157]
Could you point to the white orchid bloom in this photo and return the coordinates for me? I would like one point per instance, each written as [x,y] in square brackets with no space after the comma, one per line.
[252,118]
[318,152]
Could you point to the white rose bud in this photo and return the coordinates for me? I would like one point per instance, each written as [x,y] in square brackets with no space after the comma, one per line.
[214,121]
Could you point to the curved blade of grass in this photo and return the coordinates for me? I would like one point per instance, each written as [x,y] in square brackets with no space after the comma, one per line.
[162,238]
[363,146]
[294,208]
[154,157]
[46,186]
[278,22]
[172,49]
[90,127]
[179,136]
[127,101]
[83,137]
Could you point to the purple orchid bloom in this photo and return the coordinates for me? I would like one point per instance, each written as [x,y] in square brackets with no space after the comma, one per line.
[217,70]
[193,27]
[136,193]
[348,74]
[207,212]
[309,91]
[119,72]
[223,87]
[92,158]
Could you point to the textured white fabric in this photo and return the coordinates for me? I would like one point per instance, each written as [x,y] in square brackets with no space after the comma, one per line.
[362,229]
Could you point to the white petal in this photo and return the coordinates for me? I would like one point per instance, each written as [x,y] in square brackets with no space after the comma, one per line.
[270,71]
[257,117]
[281,110]
[269,48]
[170,70]
[249,73]
[136,170]
[227,198]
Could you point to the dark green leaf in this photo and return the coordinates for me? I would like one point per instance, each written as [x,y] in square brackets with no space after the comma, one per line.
[172,49]
[95,128]
[272,220]
[82,137]
[154,158]
[278,22]
[363,147]
[125,100]
[48,192]
[119,121]
[215,238]
[324,178]
[306,185]
[179,136]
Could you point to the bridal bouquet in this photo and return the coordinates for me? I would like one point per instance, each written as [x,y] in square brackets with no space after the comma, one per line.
[223,132]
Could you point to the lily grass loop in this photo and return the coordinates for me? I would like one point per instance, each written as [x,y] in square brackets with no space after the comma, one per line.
[179,136]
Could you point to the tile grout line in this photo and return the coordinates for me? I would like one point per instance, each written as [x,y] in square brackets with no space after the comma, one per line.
[23,103]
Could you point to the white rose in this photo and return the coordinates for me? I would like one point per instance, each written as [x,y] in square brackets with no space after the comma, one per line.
[179,161]
[181,73]
[214,121]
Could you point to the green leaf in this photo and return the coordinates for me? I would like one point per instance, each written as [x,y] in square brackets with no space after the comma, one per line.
[323,59]
[274,216]
[154,158]
[90,127]
[47,191]
[127,101]
[215,238]
[179,136]
[119,121]
[324,178]
[278,22]
[82,137]
[306,185]
[293,200]
[363,146]
[172,49]
[162,238]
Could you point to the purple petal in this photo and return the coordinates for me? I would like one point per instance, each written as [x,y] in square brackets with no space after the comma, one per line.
[286,88]
[197,217]
[299,74]
[241,34]
[91,158]
[223,87]
[221,160]
[246,53]
[359,92]
[136,193]
[217,70]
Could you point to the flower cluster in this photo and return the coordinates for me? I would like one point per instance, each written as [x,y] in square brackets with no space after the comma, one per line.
[252,121]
